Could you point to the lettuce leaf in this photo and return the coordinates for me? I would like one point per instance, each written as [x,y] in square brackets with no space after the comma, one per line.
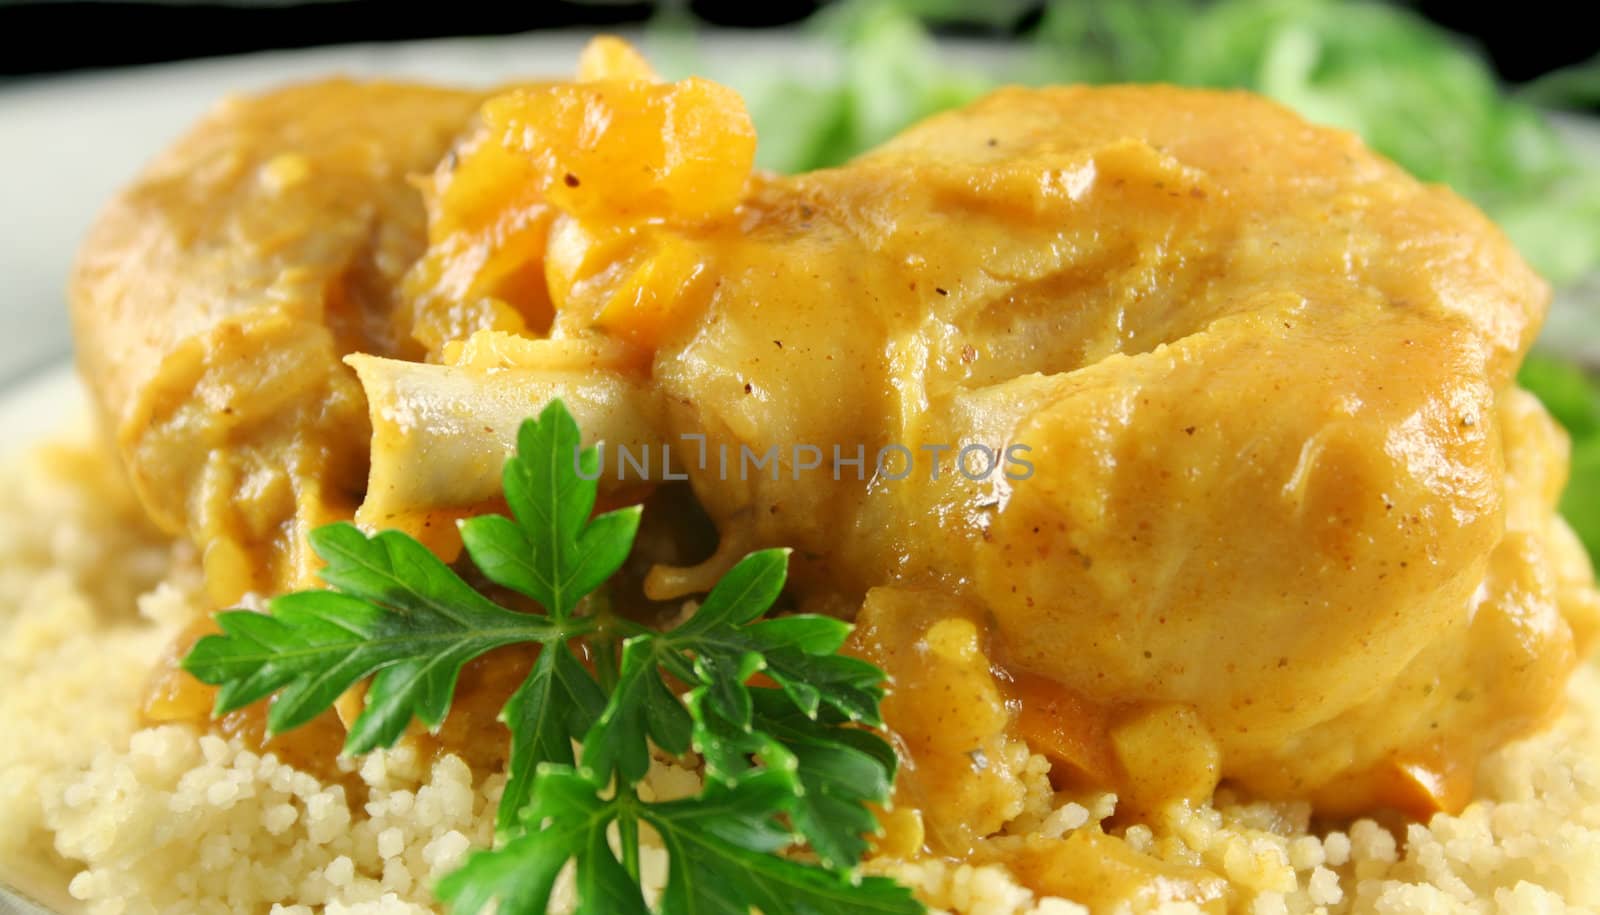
[1416,92]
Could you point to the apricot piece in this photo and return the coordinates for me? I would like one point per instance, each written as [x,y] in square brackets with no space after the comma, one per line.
[629,151]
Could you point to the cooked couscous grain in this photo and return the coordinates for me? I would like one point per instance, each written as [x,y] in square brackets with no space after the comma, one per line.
[100,814]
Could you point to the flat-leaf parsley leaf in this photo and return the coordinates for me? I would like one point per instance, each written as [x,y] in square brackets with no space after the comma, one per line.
[780,718]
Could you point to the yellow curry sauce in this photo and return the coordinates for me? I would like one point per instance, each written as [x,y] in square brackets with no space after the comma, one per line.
[1291,526]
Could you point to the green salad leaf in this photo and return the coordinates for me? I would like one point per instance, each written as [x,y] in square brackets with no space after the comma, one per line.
[1573,398]
[1580,504]
[780,717]
[890,73]
[1577,86]
[1416,92]
[1567,391]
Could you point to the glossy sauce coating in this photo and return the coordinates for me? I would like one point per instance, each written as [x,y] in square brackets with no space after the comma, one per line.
[1282,478]
[1286,500]
[214,297]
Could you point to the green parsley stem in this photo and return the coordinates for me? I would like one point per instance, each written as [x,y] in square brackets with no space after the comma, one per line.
[628,832]
[395,609]
[604,646]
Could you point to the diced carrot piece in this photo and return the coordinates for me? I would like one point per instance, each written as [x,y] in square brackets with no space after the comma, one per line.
[1065,728]
[1421,787]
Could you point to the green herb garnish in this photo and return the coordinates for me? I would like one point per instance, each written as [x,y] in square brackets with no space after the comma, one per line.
[790,765]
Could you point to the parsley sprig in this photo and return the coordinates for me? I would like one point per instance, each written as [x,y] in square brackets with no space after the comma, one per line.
[781,719]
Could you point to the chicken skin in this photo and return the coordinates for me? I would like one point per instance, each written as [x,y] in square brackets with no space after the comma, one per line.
[213,300]
[1257,473]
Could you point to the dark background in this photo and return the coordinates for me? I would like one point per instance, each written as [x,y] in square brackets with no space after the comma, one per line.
[1524,40]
